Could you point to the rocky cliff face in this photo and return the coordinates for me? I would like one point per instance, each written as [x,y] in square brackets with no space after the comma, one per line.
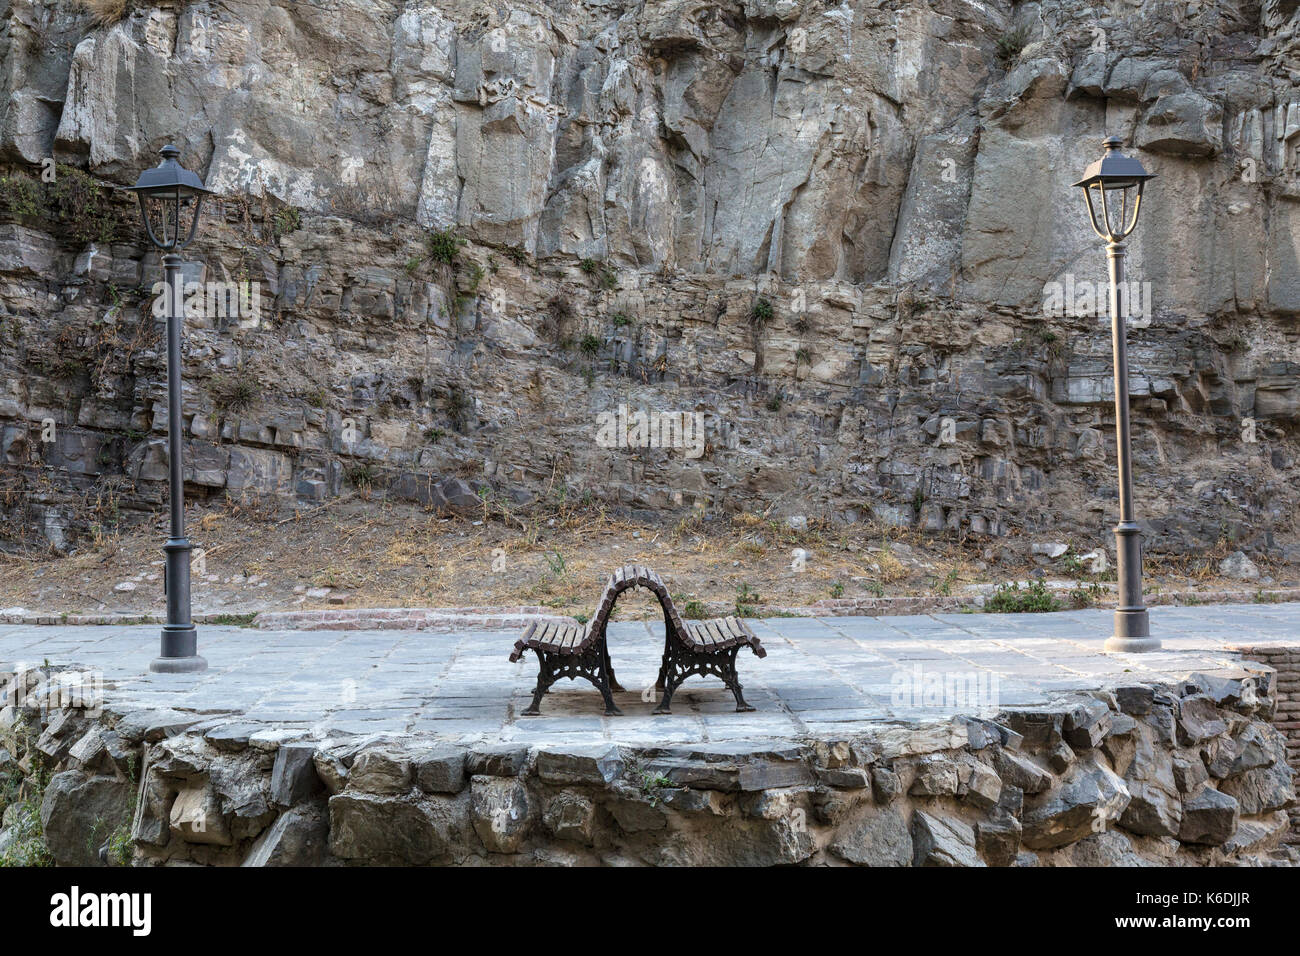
[845,235]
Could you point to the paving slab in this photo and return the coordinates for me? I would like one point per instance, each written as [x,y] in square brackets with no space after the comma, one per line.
[821,675]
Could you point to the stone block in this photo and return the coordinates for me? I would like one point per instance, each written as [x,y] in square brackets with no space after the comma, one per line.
[293,774]
[500,811]
[600,764]
[942,841]
[441,770]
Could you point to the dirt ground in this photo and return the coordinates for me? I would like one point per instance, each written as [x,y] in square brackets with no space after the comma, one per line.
[369,552]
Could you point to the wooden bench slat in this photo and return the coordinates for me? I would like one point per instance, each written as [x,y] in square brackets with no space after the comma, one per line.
[719,638]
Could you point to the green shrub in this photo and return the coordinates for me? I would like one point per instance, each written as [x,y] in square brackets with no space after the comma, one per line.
[361,476]
[444,245]
[285,221]
[21,195]
[83,207]
[694,611]
[746,601]
[602,273]
[233,620]
[1086,595]
[1011,599]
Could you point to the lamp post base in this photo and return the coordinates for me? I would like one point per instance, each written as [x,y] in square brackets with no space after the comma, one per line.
[178,665]
[1132,633]
[179,654]
[1131,645]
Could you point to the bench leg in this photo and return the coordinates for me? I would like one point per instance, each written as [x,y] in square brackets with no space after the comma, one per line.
[671,674]
[545,679]
[668,686]
[680,663]
[733,682]
[591,665]
[668,650]
[609,669]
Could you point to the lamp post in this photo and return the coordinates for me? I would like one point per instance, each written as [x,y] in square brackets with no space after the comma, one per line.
[1111,178]
[169,194]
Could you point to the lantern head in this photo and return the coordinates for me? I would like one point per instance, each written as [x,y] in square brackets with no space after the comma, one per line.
[170,199]
[1114,173]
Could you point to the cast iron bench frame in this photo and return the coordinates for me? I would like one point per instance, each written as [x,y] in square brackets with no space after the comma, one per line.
[574,650]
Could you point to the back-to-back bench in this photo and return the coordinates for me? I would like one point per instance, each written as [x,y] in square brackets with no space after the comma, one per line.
[576,650]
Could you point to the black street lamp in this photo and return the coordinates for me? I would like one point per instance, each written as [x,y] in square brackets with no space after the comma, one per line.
[169,195]
[1111,179]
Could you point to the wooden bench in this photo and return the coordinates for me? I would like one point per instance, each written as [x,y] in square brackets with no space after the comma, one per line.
[574,650]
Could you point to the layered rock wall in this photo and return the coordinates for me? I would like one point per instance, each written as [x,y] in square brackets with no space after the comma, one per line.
[839,233]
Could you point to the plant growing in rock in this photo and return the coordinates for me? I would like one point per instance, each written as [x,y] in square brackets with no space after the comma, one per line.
[1010,44]
[762,312]
[652,783]
[25,845]
[458,407]
[603,274]
[233,391]
[475,278]
[360,476]
[108,12]
[589,344]
[559,309]
[83,207]
[286,220]
[444,245]
[20,195]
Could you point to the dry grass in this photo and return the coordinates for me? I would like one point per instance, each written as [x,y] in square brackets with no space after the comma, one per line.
[108,12]
[556,554]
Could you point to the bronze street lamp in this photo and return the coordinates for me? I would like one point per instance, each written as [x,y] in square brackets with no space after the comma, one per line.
[170,199]
[1117,180]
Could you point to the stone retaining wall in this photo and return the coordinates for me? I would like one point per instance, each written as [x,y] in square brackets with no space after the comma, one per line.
[1187,773]
[1286,662]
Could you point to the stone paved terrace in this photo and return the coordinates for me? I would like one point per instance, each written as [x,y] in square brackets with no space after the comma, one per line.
[821,676]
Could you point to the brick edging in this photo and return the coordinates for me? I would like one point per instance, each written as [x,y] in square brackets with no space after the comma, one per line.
[518,616]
